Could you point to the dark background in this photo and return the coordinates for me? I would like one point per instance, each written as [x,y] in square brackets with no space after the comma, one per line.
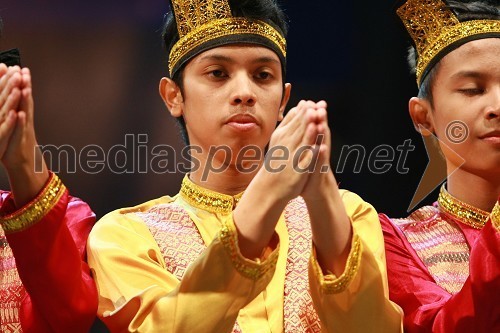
[96,67]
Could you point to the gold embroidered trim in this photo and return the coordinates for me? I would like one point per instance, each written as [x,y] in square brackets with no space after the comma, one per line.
[36,209]
[433,27]
[253,270]
[220,28]
[208,200]
[190,14]
[495,216]
[437,258]
[465,213]
[334,285]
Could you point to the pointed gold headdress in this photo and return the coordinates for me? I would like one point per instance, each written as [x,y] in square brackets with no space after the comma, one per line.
[204,24]
[436,31]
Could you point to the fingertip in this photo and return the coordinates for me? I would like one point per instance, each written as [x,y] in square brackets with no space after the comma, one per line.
[11,117]
[322,104]
[26,92]
[21,117]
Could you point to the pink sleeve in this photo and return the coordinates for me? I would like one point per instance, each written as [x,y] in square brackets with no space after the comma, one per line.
[430,308]
[51,261]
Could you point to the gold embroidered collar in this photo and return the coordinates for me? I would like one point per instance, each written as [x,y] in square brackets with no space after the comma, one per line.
[206,199]
[465,213]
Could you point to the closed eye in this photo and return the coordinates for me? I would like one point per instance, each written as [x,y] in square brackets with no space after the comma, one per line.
[471,92]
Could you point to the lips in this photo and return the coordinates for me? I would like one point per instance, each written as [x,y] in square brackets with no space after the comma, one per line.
[242,118]
[493,137]
[242,122]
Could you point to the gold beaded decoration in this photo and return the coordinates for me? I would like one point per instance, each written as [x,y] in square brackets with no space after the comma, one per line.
[495,216]
[433,27]
[200,21]
[35,210]
[465,213]
[205,199]
[335,285]
[253,270]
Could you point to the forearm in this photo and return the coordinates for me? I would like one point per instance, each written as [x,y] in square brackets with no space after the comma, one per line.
[140,293]
[361,289]
[28,177]
[331,228]
[256,216]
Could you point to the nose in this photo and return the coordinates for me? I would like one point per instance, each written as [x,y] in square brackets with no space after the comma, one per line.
[243,90]
[493,109]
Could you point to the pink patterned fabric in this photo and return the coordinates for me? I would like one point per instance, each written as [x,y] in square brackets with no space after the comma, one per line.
[11,289]
[177,237]
[181,243]
[440,244]
[299,312]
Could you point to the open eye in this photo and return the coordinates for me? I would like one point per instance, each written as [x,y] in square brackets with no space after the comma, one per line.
[218,73]
[264,75]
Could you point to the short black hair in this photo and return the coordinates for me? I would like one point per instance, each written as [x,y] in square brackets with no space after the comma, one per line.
[264,10]
[465,11]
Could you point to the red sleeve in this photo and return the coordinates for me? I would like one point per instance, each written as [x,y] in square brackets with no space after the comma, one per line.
[51,261]
[430,308]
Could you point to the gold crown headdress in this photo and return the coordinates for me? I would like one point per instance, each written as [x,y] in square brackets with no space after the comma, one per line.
[436,31]
[204,24]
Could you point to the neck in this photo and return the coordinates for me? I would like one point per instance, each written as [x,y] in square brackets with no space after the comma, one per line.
[230,181]
[475,190]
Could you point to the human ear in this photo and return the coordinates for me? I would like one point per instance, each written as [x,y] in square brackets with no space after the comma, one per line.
[172,96]
[421,114]
[284,100]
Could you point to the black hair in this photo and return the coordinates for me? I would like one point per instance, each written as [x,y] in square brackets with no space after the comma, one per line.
[465,11]
[264,10]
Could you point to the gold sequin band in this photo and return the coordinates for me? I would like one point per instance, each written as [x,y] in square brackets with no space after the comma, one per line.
[334,285]
[221,28]
[465,213]
[435,30]
[34,211]
[495,216]
[211,201]
[253,270]
[451,35]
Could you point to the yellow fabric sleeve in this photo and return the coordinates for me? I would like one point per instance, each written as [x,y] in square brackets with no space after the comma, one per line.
[357,300]
[138,294]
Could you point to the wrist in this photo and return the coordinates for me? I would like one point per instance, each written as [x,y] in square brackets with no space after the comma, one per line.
[326,189]
[26,182]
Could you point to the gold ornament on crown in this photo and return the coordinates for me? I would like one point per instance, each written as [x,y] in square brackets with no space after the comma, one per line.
[434,27]
[200,21]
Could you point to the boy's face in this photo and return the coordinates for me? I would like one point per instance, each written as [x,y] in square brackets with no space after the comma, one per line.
[233,95]
[467,89]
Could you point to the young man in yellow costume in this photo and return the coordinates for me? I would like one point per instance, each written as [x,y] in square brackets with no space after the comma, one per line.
[444,260]
[260,245]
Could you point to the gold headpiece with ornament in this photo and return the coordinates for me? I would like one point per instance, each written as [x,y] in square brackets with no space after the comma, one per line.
[204,24]
[436,31]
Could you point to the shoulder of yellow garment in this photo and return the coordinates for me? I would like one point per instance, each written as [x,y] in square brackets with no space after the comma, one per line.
[125,217]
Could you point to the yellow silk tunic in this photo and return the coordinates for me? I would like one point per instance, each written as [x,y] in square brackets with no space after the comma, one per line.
[173,265]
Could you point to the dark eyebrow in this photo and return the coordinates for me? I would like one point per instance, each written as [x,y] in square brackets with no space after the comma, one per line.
[266,60]
[469,75]
[216,57]
[223,58]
